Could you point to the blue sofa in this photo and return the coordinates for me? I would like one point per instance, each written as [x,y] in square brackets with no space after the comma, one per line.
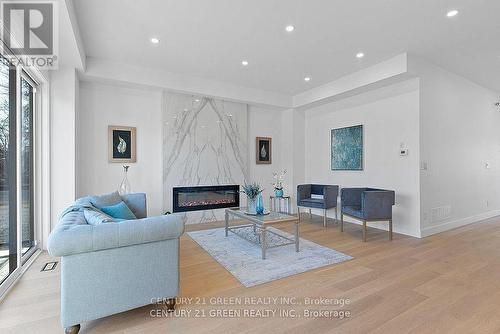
[367,204]
[113,267]
[317,196]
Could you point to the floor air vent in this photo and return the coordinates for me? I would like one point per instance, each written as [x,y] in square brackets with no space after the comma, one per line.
[49,266]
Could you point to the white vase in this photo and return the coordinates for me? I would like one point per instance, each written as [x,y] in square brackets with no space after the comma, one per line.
[252,205]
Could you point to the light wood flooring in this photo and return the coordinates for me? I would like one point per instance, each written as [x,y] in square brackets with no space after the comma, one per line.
[447,283]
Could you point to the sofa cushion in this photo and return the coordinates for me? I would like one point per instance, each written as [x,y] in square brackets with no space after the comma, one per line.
[354,211]
[94,217]
[312,202]
[119,210]
[105,200]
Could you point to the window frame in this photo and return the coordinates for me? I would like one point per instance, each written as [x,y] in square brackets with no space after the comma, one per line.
[23,262]
[25,257]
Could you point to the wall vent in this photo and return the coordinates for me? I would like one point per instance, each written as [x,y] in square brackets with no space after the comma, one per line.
[441,213]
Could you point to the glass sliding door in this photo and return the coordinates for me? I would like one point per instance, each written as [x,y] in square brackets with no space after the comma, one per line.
[8,206]
[18,239]
[27,163]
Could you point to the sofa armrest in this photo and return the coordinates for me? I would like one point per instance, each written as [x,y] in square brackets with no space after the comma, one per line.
[303,192]
[330,195]
[351,196]
[82,238]
[377,204]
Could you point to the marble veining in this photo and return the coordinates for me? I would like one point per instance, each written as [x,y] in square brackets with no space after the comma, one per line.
[204,143]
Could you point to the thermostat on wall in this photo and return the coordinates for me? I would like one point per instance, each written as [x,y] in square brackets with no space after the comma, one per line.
[403,152]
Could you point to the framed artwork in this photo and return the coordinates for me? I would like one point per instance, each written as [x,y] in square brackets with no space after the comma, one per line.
[263,150]
[347,148]
[121,144]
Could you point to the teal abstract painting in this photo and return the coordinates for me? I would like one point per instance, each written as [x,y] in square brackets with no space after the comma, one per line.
[347,148]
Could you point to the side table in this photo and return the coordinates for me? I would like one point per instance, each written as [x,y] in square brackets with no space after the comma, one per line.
[280,204]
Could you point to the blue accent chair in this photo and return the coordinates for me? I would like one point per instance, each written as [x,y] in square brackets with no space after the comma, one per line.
[317,196]
[367,204]
[113,267]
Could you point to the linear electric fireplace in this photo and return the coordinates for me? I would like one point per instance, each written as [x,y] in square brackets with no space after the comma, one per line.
[205,197]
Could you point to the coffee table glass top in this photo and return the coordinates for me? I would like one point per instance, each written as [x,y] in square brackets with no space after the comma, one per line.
[272,217]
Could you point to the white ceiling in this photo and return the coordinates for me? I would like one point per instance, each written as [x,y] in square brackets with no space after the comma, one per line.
[210,38]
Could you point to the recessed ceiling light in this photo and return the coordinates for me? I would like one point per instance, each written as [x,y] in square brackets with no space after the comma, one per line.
[289,28]
[452,13]
[244,62]
[360,55]
[197,100]
[155,40]
[307,79]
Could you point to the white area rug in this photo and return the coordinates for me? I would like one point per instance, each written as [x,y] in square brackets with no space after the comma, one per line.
[243,258]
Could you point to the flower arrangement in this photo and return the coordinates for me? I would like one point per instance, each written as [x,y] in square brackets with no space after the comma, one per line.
[252,190]
[278,179]
[255,202]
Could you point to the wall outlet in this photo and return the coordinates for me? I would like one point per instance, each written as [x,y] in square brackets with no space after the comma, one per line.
[403,152]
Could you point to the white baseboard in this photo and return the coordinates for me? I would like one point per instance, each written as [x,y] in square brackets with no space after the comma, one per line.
[427,231]
[382,225]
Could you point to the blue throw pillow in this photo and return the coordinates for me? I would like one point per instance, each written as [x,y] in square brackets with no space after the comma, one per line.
[120,211]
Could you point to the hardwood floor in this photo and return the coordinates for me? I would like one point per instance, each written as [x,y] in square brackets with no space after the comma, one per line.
[447,283]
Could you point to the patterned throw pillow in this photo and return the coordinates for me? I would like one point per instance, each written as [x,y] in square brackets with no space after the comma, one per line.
[95,217]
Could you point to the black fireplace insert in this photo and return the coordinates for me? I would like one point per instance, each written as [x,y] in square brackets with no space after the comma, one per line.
[205,197]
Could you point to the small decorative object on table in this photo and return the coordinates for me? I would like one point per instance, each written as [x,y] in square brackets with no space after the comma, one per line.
[278,183]
[125,187]
[260,205]
[252,191]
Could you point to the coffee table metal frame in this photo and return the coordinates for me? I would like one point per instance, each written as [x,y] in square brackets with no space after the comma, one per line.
[261,223]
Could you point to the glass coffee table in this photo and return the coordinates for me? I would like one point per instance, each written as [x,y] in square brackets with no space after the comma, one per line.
[257,232]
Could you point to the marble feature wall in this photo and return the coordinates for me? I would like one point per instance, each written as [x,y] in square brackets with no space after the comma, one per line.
[204,143]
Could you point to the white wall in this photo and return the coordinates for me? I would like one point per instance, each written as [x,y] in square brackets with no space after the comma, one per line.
[263,122]
[459,136]
[286,128]
[63,97]
[390,116]
[102,105]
